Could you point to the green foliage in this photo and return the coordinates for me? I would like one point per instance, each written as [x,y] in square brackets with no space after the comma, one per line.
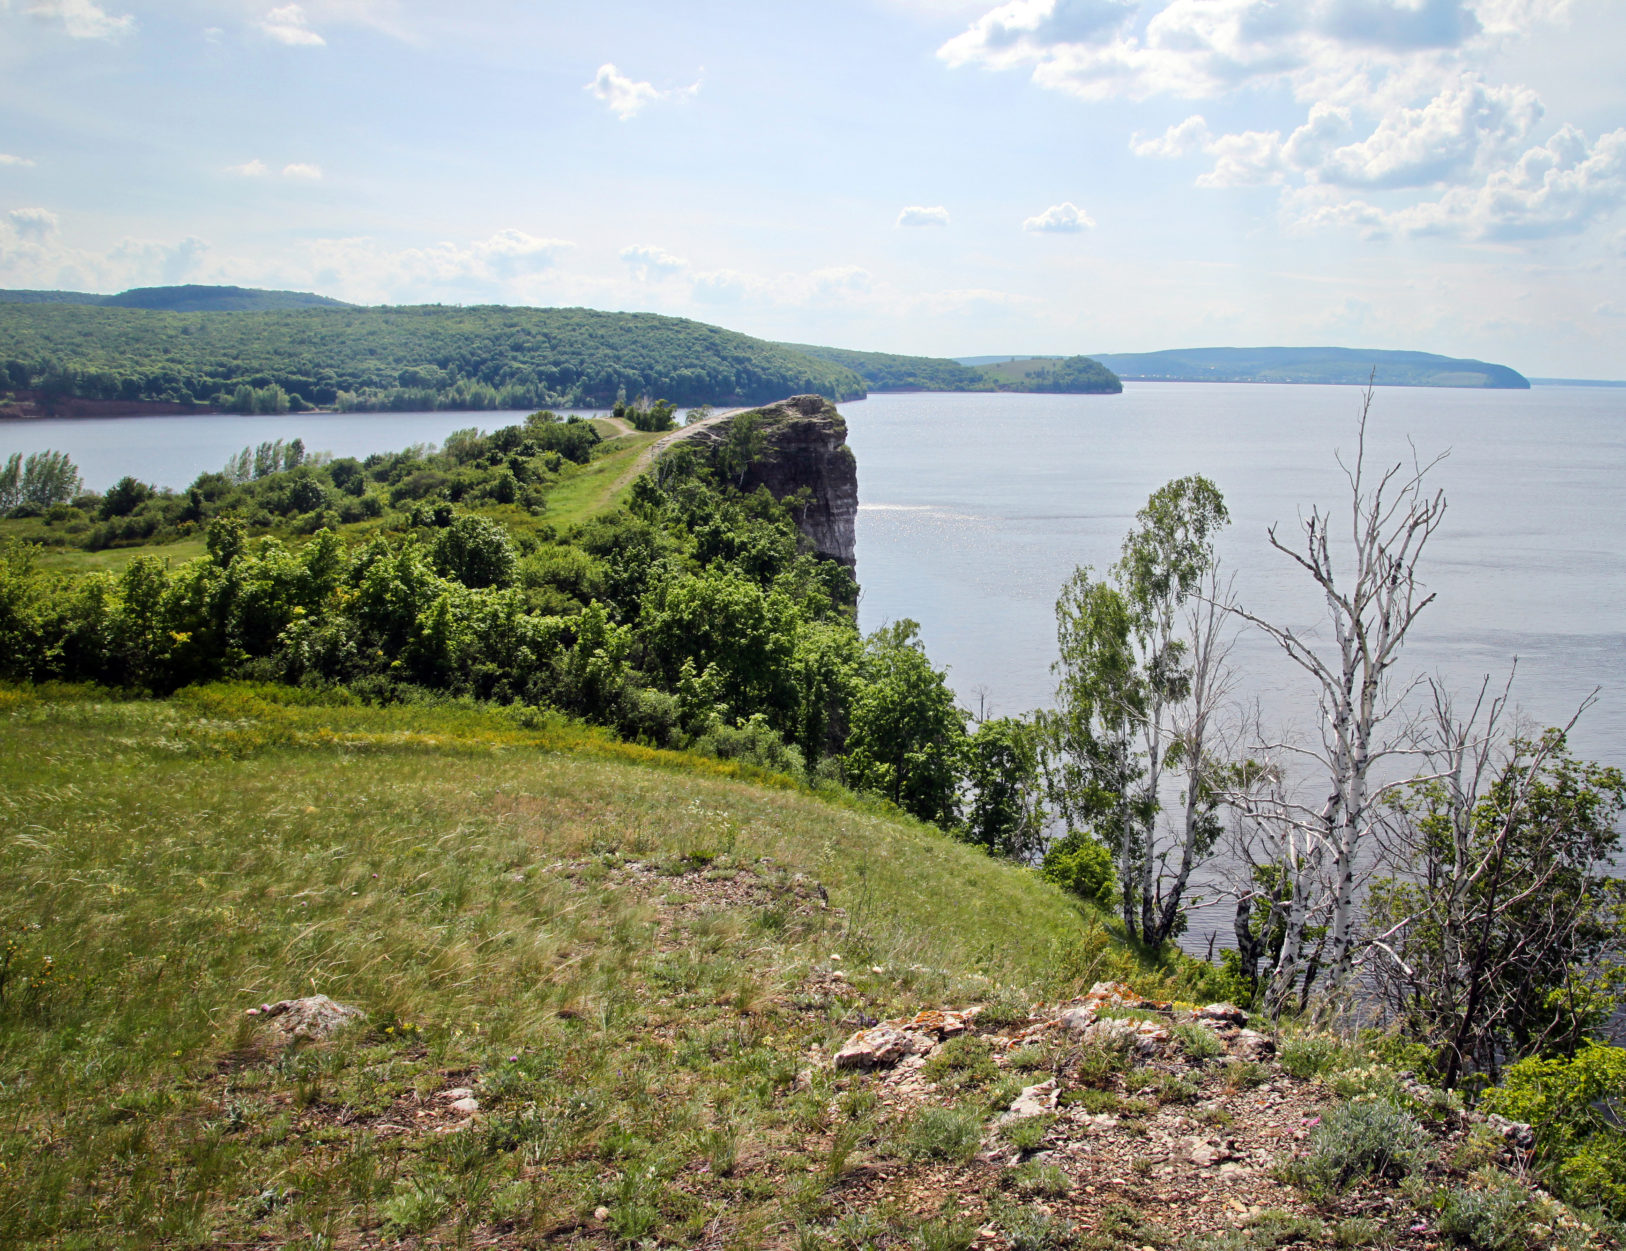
[1495,1215]
[1004,810]
[1078,863]
[884,371]
[1357,1140]
[943,1134]
[1569,1101]
[907,737]
[962,1062]
[1197,1041]
[1521,950]
[37,482]
[1032,1228]
[1026,1133]
[1309,1055]
[399,359]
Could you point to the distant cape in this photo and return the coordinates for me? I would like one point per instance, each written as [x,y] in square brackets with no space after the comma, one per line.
[1311,365]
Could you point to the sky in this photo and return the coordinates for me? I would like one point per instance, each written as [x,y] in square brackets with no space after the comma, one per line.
[925,176]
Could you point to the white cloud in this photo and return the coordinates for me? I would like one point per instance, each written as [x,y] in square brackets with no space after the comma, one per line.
[649,262]
[1331,50]
[250,169]
[302,171]
[33,224]
[1252,158]
[1181,139]
[21,162]
[1455,134]
[1063,218]
[627,98]
[83,19]
[722,286]
[289,25]
[924,215]
[1558,188]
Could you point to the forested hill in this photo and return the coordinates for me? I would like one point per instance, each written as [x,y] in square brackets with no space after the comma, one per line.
[391,358]
[187,299]
[884,371]
[1311,364]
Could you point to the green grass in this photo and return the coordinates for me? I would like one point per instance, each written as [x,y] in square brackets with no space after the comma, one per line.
[599,485]
[462,874]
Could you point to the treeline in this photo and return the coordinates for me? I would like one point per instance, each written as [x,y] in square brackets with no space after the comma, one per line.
[279,487]
[694,617]
[884,371]
[394,359]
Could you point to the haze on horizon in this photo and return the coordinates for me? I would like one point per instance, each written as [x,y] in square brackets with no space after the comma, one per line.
[899,175]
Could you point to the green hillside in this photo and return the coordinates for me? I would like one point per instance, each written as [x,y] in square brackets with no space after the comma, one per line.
[390,358]
[883,371]
[186,299]
[1348,366]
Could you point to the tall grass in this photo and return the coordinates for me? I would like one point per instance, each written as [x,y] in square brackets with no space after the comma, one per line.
[464,879]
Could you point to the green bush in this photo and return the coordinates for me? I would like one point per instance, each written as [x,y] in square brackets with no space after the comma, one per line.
[1579,1151]
[1078,863]
[1309,1055]
[943,1134]
[1197,1041]
[1359,1140]
[1492,1217]
[1027,1132]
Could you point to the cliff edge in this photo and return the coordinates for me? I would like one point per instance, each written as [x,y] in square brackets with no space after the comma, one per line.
[788,446]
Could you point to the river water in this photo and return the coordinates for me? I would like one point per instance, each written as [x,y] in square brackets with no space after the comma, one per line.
[974,509]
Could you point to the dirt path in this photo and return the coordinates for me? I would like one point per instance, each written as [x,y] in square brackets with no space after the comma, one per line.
[647,457]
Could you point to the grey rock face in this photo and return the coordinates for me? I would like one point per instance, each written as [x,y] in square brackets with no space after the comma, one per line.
[805,445]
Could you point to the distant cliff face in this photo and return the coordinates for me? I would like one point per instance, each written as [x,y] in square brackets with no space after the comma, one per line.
[803,443]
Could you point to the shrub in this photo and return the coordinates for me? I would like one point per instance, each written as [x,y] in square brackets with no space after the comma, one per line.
[943,1134]
[1197,1041]
[945,1233]
[1034,1229]
[1309,1055]
[1493,1217]
[1582,1154]
[1027,1132]
[1038,1180]
[1077,863]
[1359,1140]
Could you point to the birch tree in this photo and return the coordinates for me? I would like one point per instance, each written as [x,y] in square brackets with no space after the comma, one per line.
[1142,666]
[1370,582]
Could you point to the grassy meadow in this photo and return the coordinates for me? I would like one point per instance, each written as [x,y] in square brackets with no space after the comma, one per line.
[627,953]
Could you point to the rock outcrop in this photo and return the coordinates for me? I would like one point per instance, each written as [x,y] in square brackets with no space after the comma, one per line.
[803,445]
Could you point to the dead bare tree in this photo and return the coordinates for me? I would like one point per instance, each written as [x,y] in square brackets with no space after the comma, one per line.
[1373,597]
[1494,934]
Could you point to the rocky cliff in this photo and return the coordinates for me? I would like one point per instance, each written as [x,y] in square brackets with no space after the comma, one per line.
[790,445]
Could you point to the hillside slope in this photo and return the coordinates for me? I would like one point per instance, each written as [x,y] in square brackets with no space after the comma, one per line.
[191,298]
[1348,366]
[588,994]
[421,357]
[884,371]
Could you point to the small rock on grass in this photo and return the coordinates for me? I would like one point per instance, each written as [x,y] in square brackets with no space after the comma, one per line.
[313,1018]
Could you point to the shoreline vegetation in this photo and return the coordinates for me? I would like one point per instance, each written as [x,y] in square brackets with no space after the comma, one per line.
[171,351]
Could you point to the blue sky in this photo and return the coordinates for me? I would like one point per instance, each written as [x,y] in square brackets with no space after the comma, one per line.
[904,175]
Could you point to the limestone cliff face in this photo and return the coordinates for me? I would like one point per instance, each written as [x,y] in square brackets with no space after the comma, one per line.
[804,444]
